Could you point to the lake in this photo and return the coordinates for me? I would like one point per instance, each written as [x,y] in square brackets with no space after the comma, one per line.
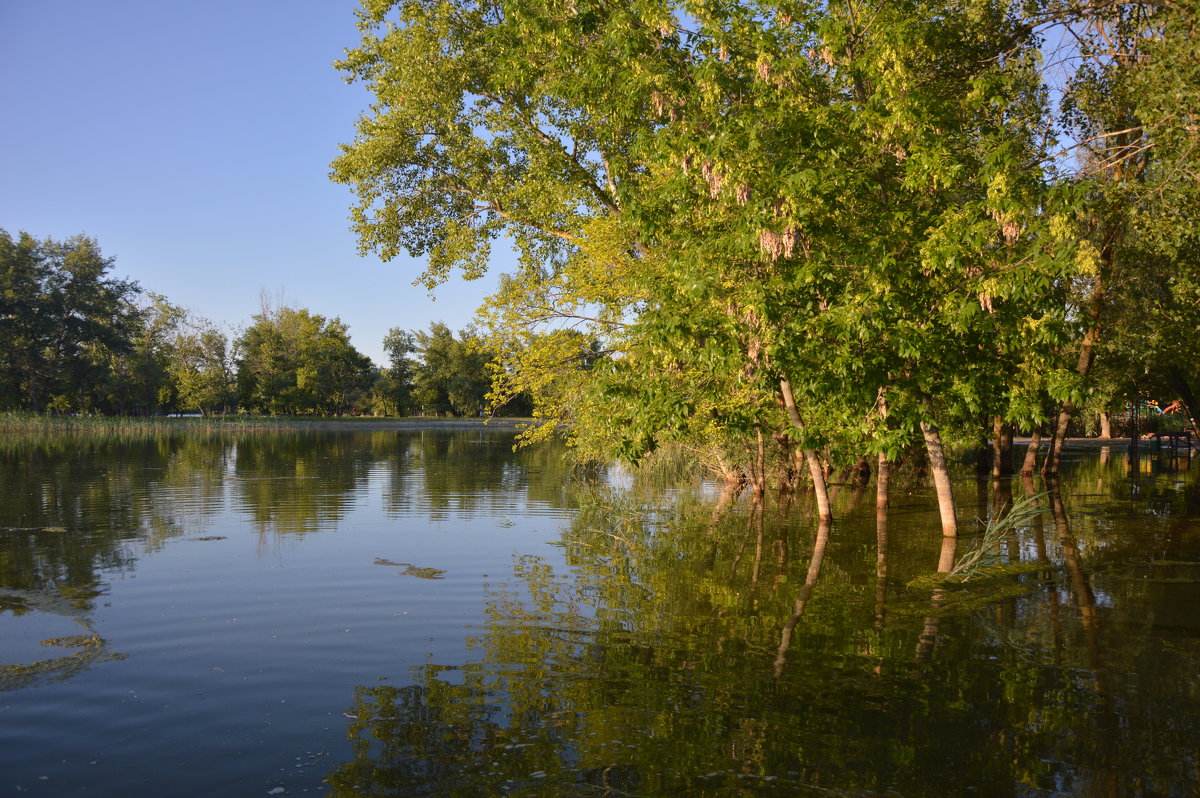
[432,613]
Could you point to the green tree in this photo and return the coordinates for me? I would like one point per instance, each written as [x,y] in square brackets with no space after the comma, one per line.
[1135,156]
[453,375]
[800,233]
[751,207]
[393,388]
[62,320]
[201,368]
[139,380]
[295,362]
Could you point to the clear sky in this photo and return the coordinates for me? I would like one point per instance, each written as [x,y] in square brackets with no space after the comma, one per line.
[193,141]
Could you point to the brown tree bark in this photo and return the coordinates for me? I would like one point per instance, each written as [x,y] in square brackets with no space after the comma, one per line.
[1002,441]
[883,475]
[810,456]
[941,478]
[1031,454]
[881,566]
[760,467]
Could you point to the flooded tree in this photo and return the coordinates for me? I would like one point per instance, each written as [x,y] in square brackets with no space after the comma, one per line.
[773,221]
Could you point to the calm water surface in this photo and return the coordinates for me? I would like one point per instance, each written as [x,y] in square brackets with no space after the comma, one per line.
[395,613]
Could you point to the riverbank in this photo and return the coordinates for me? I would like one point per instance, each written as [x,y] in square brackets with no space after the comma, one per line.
[15,423]
[1100,443]
[33,423]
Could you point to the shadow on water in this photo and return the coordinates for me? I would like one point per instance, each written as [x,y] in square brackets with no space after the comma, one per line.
[664,659]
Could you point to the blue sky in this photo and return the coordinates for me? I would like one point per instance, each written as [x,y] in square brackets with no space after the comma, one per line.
[193,140]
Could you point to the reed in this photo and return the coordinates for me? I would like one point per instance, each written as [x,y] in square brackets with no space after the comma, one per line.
[18,422]
[985,556]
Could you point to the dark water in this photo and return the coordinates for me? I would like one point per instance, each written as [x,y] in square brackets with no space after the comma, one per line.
[433,614]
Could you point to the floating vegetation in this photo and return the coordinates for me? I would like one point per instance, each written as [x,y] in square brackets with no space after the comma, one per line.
[983,565]
[946,601]
[74,641]
[91,649]
[985,556]
[981,574]
[32,529]
[210,537]
[413,570]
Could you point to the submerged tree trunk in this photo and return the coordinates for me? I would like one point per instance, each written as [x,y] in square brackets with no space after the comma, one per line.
[810,456]
[882,478]
[929,630]
[1002,441]
[1081,586]
[1031,454]
[941,478]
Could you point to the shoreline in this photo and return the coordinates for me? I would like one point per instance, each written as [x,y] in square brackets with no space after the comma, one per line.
[234,424]
[399,424]
[1099,443]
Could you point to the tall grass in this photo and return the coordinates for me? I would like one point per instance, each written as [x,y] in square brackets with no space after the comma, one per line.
[985,554]
[37,424]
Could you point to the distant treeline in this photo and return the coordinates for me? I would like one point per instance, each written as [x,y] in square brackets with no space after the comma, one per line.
[75,339]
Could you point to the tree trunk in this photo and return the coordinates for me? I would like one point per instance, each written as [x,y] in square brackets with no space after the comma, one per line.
[1087,350]
[1030,464]
[881,563]
[882,477]
[810,456]
[1002,438]
[760,478]
[941,478]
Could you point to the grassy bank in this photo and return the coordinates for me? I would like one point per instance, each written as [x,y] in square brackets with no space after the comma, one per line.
[17,422]
[34,423]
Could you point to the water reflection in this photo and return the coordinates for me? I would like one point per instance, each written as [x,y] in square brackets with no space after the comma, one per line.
[666,642]
[662,660]
[299,483]
[78,511]
[466,474]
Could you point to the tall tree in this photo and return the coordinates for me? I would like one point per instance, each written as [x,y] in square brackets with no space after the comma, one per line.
[695,184]
[62,318]
[201,368]
[394,387]
[452,375]
[1136,66]
[834,229]
[296,362]
[140,378]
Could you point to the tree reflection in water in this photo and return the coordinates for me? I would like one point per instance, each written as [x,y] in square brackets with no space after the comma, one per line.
[655,664]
